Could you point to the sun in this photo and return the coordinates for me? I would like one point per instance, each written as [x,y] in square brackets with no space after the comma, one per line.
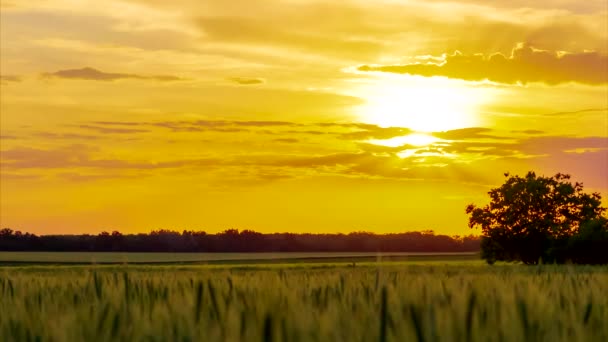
[421,104]
[416,139]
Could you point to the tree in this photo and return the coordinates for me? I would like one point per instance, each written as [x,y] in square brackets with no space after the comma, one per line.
[590,245]
[533,218]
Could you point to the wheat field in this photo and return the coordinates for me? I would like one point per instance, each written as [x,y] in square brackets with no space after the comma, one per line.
[371,302]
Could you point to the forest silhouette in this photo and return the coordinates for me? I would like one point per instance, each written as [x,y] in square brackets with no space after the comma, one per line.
[233,240]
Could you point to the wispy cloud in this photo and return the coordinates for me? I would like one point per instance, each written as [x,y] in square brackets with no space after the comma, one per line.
[65,136]
[528,131]
[247,80]
[110,130]
[466,133]
[581,111]
[83,156]
[525,64]
[88,73]
[376,132]
[9,78]
[287,140]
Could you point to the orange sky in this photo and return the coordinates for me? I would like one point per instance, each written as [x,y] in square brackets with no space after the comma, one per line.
[295,115]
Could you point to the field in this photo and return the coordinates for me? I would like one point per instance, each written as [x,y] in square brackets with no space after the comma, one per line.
[385,301]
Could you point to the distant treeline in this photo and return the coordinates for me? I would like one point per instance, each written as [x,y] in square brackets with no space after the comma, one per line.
[234,241]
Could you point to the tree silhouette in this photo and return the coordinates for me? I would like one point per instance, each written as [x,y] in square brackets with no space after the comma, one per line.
[232,240]
[536,218]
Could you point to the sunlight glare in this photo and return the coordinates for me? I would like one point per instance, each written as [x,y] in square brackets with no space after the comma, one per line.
[416,139]
[421,104]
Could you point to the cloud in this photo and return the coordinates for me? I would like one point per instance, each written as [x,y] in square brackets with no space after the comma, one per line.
[327,160]
[310,132]
[581,111]
[484,149]
[436,161]
[373,148]
[88,73]
[376,132]
[18,177]
[81,177]
[247,80]
[465,133]
[525,64]
[529,131]
[65,136]
[287,140]
[225,126]
[536,146]
[110,130]
[84,156]
[9,78]
[118,123]
[26,157]
[259,123]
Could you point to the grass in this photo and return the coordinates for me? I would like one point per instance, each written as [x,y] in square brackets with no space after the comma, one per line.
[304,302]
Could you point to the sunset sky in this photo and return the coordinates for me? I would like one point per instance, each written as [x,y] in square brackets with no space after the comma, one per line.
[299,116]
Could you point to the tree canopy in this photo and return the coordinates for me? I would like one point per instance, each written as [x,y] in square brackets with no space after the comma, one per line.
[536,218]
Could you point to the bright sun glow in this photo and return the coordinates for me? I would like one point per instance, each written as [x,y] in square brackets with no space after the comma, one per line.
[421,104]
[410,139]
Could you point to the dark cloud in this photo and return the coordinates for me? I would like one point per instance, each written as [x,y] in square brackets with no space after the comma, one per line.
[526,147]
[487,149]
[263,123]
[199,125]
[247,80]
[287,140]
[65,136]
[18,177]
[9,78]
[376,132]
[218,125]
[328,160]
[373,148]
[111,130]
[528,131]
[84,156]
[525,64]
[81,177]
[88,73]
[465,133]
[311,132]
[164,78]
[581,111]
[117,123]
[347,125]
[26,157]
[435,161]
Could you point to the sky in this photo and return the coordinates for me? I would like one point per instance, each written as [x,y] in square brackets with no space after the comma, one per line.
[292,116]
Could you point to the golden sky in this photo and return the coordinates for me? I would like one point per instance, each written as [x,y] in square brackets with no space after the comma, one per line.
[292,115]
